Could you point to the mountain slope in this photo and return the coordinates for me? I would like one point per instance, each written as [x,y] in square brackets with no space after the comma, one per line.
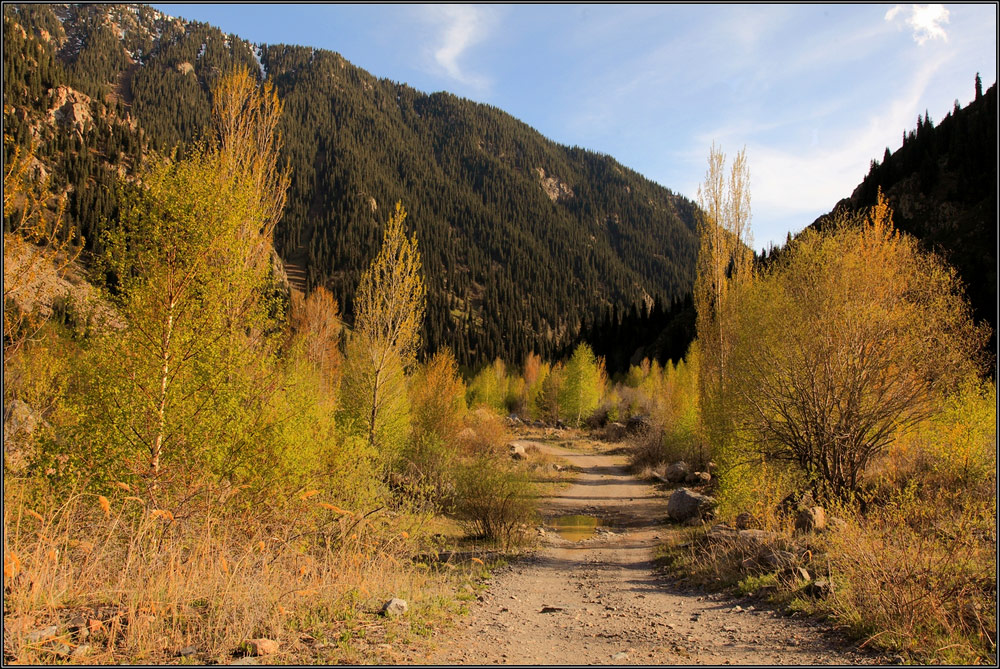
[522,238]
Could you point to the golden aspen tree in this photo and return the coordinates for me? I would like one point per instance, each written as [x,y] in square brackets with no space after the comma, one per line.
[171,235]
[489,387]
[581,390]
[316,319]
[854,336]
[245,118]
[388,314]
[724,267]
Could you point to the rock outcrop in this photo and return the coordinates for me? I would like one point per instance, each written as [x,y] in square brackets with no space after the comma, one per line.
[553,187]
[70,107]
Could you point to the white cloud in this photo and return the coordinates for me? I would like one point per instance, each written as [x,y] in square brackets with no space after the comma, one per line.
[461,27]
[791,185]
[925,20]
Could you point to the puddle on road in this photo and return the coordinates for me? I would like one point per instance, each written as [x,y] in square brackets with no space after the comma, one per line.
[575,528]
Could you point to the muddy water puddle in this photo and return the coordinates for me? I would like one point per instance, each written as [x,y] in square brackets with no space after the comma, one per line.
[575,527]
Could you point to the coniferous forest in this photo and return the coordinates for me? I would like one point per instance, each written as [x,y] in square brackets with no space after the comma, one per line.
[941,181]
[523,240]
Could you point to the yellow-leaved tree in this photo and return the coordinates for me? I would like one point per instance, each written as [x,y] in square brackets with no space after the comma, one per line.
[854,336]
[582,389]
[187,380]
[725,266]
[316,320]
[388,314]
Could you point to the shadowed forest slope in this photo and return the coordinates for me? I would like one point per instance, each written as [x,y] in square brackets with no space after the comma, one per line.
[522,238]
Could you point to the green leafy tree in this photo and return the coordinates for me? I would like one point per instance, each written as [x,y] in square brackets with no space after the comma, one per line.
[389,310]
[581,391]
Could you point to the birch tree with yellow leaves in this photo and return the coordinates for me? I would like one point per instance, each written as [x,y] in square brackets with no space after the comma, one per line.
[191,256]
[388,314]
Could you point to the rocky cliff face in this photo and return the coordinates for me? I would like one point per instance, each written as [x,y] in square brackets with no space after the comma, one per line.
[553,187]
[70,107]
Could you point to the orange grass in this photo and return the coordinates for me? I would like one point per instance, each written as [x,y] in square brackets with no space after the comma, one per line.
[211,576]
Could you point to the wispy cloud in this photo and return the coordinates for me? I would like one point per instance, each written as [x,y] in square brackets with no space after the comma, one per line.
[926,21]
[804,181]
[459,29]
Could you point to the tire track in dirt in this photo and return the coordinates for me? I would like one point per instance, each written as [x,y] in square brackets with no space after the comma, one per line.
[603,601]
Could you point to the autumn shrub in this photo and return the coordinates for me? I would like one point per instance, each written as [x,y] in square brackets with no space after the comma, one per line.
[437,398]
[494,499]
[953,449]
[855,337]
[918,569]
[484,432]
[668,396]
[316,328]
[757,487]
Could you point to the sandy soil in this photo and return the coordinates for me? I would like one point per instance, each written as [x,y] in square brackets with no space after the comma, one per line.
[602,601]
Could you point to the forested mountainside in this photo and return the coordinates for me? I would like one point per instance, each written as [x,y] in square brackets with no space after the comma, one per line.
[942,186]
[523,240]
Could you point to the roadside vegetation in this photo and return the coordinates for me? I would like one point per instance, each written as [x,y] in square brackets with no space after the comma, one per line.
[200,464]
[843,398]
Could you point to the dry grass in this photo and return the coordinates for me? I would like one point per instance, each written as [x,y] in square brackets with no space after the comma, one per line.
[915,574]
[211,577]
[927,591]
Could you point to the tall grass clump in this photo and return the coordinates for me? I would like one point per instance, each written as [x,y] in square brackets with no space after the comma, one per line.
[210,574]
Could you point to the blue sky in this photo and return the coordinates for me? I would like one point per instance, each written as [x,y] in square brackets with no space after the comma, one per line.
[813,92]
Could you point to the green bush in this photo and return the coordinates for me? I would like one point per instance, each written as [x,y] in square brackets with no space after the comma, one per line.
[493,500]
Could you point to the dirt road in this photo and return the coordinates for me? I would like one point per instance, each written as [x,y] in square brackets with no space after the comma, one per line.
[601,600]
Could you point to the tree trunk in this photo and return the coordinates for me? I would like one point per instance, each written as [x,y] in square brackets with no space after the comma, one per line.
[157,447]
